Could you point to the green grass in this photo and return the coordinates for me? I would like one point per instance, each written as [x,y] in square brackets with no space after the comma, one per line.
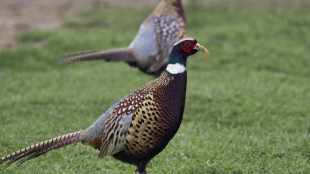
[247,108]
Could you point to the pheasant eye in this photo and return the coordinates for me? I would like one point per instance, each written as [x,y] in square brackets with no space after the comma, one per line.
[187,47]
[186,44]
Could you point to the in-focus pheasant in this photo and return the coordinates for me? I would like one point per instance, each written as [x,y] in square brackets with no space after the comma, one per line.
[149,50]
[137,127]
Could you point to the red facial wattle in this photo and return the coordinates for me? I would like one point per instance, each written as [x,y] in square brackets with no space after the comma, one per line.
[188,46]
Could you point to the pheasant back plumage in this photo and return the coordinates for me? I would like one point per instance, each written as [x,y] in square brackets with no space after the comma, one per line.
[173,8]
[167,29]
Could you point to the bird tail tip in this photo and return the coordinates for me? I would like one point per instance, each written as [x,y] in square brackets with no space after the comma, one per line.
[41,148]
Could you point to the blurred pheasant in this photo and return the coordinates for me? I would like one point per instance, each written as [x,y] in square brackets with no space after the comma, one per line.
[149,50]
[137,127]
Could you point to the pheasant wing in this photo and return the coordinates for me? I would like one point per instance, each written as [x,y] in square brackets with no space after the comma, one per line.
[117,124]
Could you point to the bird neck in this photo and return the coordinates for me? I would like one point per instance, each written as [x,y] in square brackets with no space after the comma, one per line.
[169,7]
[177,64]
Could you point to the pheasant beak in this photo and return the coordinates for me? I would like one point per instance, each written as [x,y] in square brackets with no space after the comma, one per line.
[202,48]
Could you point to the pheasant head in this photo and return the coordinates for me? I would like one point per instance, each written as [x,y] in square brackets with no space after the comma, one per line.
[180,52]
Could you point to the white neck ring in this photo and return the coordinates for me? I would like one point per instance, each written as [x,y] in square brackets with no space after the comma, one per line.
[176,68]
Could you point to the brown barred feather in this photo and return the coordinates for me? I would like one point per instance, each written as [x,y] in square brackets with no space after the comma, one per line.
[41,148]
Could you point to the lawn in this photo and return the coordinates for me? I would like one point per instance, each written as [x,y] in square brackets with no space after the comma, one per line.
[247,107]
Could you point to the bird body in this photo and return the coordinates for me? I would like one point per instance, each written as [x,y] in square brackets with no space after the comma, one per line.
[141,124]
[137,127]
[150,49]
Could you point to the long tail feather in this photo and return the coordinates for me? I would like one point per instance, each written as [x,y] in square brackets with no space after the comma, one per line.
[120,54]
[79,53]
[41,148]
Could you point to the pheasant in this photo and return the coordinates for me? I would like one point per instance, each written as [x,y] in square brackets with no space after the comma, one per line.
[137,127]
[149,50]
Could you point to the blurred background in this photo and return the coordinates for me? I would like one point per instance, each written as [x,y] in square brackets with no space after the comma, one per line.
[247,108]
[19,15]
